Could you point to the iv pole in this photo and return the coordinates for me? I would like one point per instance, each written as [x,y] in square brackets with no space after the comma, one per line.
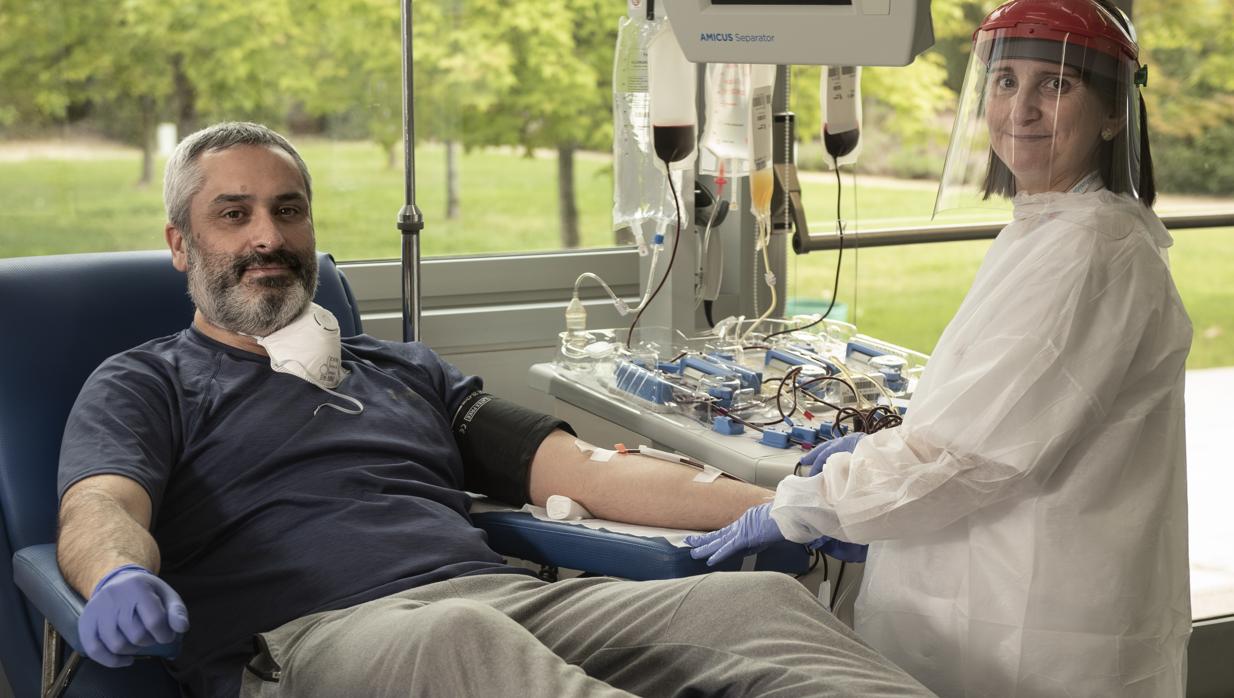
[410,220]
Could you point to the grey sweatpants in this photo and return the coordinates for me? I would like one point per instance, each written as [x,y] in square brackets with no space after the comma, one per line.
[721,634]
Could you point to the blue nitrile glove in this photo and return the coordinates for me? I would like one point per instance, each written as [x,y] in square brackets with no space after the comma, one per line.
[840,550]
[750,534]
[130,608]
[820,453]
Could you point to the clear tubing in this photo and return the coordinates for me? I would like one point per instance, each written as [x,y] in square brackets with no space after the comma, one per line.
[622,307]
[617,302]
[761,188]
[651,274]
[762,182]
[764,236]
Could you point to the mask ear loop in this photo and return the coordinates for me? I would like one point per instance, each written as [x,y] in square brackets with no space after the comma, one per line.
[359,405]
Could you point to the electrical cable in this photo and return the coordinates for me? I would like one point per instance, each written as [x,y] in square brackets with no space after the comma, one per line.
[791,374]
[835,289]
[671,258]
[848,591]
[867,420]
[839,578]
[814,557]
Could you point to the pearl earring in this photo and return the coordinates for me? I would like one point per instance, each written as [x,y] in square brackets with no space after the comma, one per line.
[1107,134]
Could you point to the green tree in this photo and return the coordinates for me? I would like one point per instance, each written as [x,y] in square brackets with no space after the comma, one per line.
[240,59]
[560,97]
[142,60]
[460,65]
[56,59]
[1189,49]
[355,60]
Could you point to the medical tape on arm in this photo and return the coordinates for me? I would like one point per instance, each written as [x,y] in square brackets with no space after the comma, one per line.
[602,455]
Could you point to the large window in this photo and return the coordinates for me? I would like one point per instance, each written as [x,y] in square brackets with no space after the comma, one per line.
[513,155]
[511,102]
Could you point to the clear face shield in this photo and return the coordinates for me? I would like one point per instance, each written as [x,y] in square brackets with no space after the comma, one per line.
[1044,109]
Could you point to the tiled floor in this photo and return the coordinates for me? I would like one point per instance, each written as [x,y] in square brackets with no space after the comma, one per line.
[1210,486]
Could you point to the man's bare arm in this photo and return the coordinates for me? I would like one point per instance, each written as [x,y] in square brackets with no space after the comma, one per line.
[638,489]
[104,523]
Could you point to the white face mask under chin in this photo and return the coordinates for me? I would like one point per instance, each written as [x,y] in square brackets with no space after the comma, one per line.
[309,348]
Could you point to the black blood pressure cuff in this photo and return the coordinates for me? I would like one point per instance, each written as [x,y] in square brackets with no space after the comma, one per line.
[497,439]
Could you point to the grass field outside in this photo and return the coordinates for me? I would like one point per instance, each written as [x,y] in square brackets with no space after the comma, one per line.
[54,205]
[56,200]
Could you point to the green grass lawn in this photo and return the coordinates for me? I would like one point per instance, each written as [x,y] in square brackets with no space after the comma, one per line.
[509,203]
[903,294]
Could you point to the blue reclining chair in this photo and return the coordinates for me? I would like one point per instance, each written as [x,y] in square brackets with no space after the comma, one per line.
[62,316]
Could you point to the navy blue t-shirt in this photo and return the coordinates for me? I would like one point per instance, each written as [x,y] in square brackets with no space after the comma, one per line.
[264,512]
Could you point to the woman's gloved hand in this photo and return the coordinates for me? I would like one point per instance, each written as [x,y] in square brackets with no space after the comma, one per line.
[816,458]
[130,608]
[820,453]
[750,534]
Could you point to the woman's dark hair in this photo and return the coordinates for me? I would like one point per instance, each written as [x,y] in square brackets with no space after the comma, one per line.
[1000,181]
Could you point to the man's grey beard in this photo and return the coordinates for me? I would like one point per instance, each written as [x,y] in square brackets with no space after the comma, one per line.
[216,287]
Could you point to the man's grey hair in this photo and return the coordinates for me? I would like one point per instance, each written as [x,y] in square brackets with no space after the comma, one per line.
[183,179]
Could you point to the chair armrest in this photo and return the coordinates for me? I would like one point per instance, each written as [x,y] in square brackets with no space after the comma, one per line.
[521,535]
[37,574]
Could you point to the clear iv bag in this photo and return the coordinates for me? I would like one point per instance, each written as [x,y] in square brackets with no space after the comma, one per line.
[641,202]
[726,129]
[672,84]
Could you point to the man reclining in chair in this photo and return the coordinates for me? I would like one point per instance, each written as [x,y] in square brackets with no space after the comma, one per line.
[256,474]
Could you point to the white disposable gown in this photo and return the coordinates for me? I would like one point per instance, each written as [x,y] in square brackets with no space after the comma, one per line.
[1028,520]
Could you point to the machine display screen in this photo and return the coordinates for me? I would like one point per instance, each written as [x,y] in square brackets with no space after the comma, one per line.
[800,32]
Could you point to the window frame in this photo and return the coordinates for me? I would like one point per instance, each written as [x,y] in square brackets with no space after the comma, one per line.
[493,302]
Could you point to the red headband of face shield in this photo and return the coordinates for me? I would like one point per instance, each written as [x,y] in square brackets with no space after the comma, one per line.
[1080,23]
